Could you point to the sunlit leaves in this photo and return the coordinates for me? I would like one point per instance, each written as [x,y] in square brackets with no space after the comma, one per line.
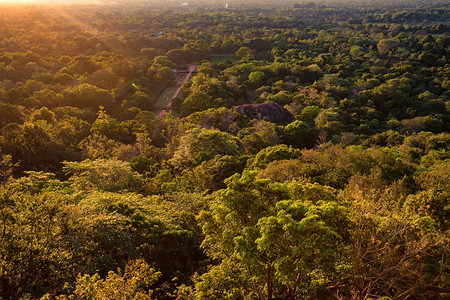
[285,245]
[132,283]
[107,175]
[198,145]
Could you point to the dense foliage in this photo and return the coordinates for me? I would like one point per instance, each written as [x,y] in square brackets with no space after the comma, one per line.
[105,196]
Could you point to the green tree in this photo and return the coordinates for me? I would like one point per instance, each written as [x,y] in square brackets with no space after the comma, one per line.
[31,146]
[140,100]
[211,174]
[282,170]
[196,101]
[10,114]
[132,283]
[49,98]
[198,145]
[165,75]
[103,79]
[86,95]
[273,153]
[284,243]
[163,61]
[108,126]
[178,56]
[309,113]
[384,46]
[299,134]
[29,237]
[329,121]
[6,168]
[245,53]
[256,78]
[106,175]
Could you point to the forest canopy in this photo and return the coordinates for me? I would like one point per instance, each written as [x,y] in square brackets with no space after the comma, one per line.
[203,150]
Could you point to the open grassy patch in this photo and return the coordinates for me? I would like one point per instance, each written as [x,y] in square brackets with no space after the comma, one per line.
[220,58]
[165,98]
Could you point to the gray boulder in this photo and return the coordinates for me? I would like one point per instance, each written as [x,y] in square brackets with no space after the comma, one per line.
[271,112]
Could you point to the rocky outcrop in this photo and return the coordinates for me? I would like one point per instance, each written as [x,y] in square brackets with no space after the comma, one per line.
[271,112]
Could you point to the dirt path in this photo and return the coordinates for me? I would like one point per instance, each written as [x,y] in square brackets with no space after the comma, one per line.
[191,69]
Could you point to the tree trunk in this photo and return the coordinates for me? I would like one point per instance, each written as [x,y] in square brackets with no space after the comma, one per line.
[5,294]
[269,284]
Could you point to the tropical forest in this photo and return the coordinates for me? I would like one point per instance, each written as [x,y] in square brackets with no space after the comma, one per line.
[249,149]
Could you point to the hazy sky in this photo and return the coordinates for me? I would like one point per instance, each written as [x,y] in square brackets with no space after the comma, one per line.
[175,3]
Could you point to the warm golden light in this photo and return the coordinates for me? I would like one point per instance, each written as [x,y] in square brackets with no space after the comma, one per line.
[9,2]
[48,2]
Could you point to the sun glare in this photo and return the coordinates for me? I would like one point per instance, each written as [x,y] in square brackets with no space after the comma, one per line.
[24,2]
[46,2]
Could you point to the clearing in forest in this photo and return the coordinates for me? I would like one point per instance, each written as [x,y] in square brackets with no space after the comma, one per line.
[221,58]
[164,102]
